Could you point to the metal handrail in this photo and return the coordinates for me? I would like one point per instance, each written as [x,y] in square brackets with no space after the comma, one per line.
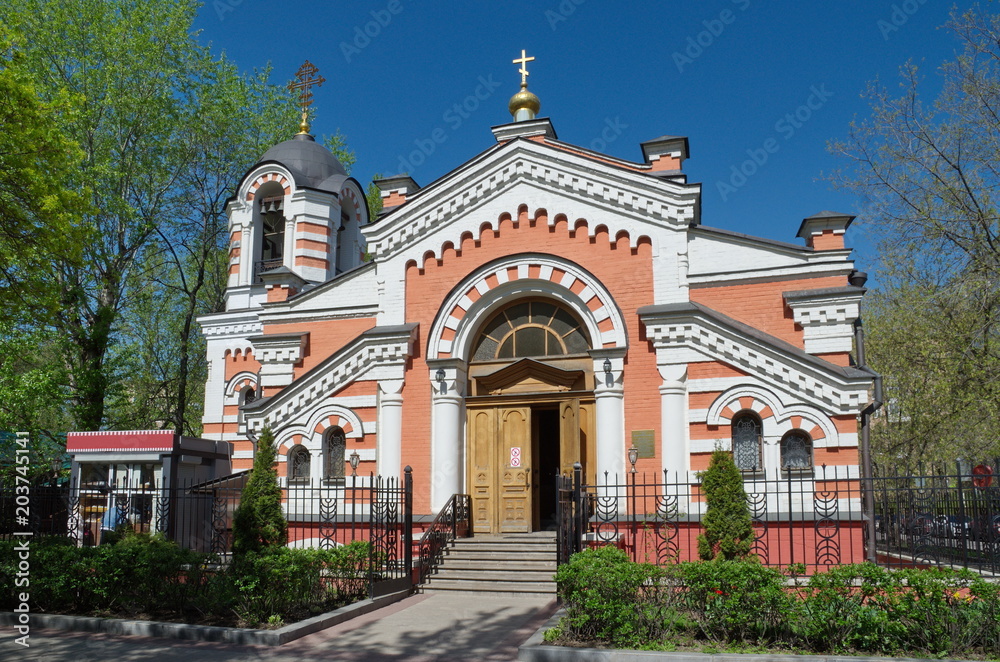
[453,521]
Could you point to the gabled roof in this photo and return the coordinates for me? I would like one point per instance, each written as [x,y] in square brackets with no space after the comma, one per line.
[372,349]
[632,198]
[693,326]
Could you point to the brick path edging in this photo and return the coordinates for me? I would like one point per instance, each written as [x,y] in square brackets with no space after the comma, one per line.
[214,633]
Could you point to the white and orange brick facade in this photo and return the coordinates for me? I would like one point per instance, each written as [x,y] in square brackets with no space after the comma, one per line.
[688,326]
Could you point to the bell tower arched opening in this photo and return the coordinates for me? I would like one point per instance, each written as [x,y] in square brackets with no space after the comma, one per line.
[269,227]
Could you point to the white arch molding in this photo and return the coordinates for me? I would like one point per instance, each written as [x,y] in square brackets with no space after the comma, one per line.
[453,334]
[777,419]
[556,278]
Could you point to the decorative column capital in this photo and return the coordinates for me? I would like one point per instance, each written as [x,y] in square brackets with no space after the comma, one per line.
[609,369]
[448,378]
[391,389]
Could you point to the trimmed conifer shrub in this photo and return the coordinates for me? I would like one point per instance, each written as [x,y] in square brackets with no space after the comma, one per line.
[728,528]
[258,522]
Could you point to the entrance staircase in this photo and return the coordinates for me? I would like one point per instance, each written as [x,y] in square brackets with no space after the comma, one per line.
[511,564]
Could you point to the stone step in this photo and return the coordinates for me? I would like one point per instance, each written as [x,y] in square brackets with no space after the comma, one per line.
[498,546]
[486,555]
[500,564]
[500,576]
[472,586]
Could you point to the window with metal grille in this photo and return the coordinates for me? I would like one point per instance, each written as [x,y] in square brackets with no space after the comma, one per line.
[747,442]
[796,450]
[299,463]
[335,448]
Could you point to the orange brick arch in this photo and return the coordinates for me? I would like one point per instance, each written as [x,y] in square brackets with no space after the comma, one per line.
[512,276]
[260,180]
[777,418]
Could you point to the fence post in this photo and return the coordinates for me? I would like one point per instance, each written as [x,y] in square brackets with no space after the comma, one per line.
[408,521]
[580,516]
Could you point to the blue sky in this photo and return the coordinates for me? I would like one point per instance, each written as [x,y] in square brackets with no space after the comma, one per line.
[728,74]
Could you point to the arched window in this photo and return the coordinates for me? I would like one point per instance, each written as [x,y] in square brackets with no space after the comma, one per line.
[271,203]
[796,450]
[531,328]
[248,395]
[747,440]
[334,450]
[299,463]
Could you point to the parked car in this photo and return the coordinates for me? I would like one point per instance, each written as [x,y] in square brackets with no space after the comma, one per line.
[921,524]
[986,529]
[953,526]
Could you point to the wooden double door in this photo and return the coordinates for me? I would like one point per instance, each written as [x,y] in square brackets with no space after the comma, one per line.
[515,450]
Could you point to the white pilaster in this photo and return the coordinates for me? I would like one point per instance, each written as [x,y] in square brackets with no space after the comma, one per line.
[674,445]
[390,428]
[447,430]
[609,396]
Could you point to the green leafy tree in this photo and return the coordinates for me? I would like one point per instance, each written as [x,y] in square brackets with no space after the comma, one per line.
[258,523]
[186,267]
[39,210]
[929,173]
[728,528]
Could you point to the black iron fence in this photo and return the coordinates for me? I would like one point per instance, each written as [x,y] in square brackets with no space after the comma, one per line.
[199,516]
[818,518]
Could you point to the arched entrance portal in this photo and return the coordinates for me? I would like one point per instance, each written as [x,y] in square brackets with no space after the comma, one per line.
[530,414]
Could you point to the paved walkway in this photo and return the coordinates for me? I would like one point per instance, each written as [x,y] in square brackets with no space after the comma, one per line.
[421,628]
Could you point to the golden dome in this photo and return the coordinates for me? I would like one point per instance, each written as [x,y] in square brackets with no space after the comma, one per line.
[524,100]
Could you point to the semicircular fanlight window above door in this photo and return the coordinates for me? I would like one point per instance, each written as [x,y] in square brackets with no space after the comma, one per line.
[531,329]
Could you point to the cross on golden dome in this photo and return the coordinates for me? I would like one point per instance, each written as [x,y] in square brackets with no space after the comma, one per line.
[305,84]
[523,61]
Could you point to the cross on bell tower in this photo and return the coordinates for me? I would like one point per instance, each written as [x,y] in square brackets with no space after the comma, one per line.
[305,85]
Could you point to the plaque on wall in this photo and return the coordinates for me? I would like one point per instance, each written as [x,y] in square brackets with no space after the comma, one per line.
[644,440]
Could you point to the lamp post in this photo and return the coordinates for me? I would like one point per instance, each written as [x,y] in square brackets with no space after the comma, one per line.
[633,457]
[609,379]
[354,459]
[439,376]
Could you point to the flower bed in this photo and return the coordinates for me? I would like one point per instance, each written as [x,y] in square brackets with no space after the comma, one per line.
[147,577]
[730,605]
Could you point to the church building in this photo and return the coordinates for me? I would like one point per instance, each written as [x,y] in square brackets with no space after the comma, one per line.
[540,305]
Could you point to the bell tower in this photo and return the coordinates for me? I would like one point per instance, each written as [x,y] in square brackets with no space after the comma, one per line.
[296,219]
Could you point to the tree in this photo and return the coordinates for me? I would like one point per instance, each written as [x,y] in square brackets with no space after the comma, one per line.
[187,263]
[258,522]
[728,527]
[38,212]
[929,174]
[128,65]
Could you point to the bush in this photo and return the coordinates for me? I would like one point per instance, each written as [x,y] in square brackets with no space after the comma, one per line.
[600,588]
[283,584]
[258,522]
[728,527]
[148,576]
[858,609]
[139,574]
[735,601]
